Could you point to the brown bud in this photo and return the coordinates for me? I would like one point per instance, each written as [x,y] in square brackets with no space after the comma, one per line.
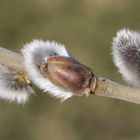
[67,73]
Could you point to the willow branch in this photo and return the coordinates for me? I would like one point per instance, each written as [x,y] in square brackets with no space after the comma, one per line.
[104,86]
[109,88]
[11,59]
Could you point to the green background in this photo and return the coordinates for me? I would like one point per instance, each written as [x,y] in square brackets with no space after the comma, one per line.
[86,27]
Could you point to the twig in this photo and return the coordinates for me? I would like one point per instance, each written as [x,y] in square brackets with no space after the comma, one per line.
[109,88]
[11,59]
[104,86]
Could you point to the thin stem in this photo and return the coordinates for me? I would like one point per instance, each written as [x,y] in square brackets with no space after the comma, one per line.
[11,59]
[109,88]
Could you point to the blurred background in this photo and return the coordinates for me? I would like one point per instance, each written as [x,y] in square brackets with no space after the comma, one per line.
[86,27]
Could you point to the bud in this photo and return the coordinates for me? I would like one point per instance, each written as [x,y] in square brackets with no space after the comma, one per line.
[67,73]
[53,69]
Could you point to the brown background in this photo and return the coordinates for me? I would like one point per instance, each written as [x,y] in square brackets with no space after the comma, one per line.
[86,27]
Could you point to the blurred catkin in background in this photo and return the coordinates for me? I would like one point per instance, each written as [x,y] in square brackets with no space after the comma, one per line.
[86,27]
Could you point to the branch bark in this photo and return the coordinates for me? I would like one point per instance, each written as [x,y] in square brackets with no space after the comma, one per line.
[104,86]
[11,59]
[109,88]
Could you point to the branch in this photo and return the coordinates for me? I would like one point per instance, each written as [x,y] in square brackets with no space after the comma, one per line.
[11,59]
[104,86]
[109,88]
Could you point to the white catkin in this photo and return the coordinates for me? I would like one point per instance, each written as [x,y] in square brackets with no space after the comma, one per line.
[126,55]
[10,89]
[36,53]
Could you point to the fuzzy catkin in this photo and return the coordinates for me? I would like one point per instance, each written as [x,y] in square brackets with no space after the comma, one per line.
[36,54]
[126,55]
